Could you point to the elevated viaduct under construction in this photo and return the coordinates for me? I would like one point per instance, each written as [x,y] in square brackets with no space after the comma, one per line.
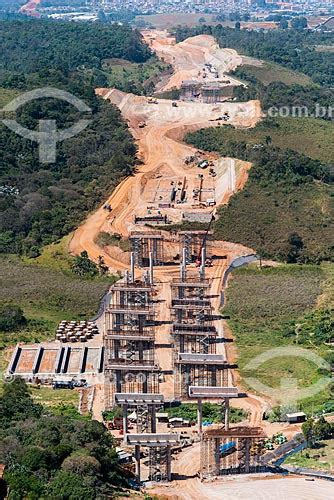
[134,378]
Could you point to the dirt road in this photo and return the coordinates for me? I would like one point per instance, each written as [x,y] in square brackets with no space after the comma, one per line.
[159,128]
[189,57]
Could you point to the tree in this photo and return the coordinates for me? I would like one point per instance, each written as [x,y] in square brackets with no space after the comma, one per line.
[11,317]
[299,23]
[283,24]
[103,268]
[82,465]
[296,245]
[69,486]
[83,266]
[202,20]
[16,402]
[323,429]
[237,25]
[308,431]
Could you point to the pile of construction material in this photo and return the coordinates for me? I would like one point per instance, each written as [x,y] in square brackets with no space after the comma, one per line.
[76,331]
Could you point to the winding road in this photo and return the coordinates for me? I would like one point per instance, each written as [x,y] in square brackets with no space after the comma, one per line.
[163,157]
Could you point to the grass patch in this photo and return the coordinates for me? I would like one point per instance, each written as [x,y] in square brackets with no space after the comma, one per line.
[104,239]
[264,306]
[52,398]
[309,136]
[46,296]
[271,72]
[139,78]
[211,411]
[54,256]
[275,204]
[6,95]
[320,458]
[174,19]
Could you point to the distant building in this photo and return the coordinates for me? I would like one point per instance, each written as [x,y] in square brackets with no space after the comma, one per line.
[295,418]
[192,90]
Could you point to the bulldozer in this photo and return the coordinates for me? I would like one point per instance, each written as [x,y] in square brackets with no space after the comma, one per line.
[151,100]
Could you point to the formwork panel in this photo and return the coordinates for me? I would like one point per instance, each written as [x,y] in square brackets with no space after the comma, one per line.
[26,360]
[93,359]
[48,361]
[74,362]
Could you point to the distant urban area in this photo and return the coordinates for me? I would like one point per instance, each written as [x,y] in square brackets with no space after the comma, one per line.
[143,13]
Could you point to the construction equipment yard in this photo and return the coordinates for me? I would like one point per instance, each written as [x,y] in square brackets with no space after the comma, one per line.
[161,337]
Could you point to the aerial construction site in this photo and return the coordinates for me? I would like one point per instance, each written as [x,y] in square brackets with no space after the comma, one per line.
[160,338]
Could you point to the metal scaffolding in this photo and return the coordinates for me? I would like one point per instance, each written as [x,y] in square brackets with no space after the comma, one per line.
[233,451]
[195,337]
[129,340]
[160,458]
[192,242]
[145,243]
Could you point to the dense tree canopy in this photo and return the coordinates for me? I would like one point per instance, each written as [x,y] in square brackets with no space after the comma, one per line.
[48,456]
[33,45]
[42,202]
[278,212]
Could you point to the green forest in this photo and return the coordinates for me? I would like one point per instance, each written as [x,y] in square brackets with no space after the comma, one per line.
[42,202]
[54,454]
[285,211]
[32,45]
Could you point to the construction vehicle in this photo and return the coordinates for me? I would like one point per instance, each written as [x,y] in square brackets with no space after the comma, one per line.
[174,104]
[141,124]
[203,164]
[151,100]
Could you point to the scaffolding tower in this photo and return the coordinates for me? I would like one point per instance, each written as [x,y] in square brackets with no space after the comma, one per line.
[195,337]
[160,456]
[192,242]
[206,370]
[129,341]
[144,243]
[234,451]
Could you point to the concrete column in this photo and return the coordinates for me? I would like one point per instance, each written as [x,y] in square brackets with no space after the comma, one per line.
[132,267]
[169,462]
[137,459]
[217,456]
[118,381]
[227,413]
[151,268]
[247,455]
[125,420]
[153,419]
[199,415]
[203,255]
[184,257]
